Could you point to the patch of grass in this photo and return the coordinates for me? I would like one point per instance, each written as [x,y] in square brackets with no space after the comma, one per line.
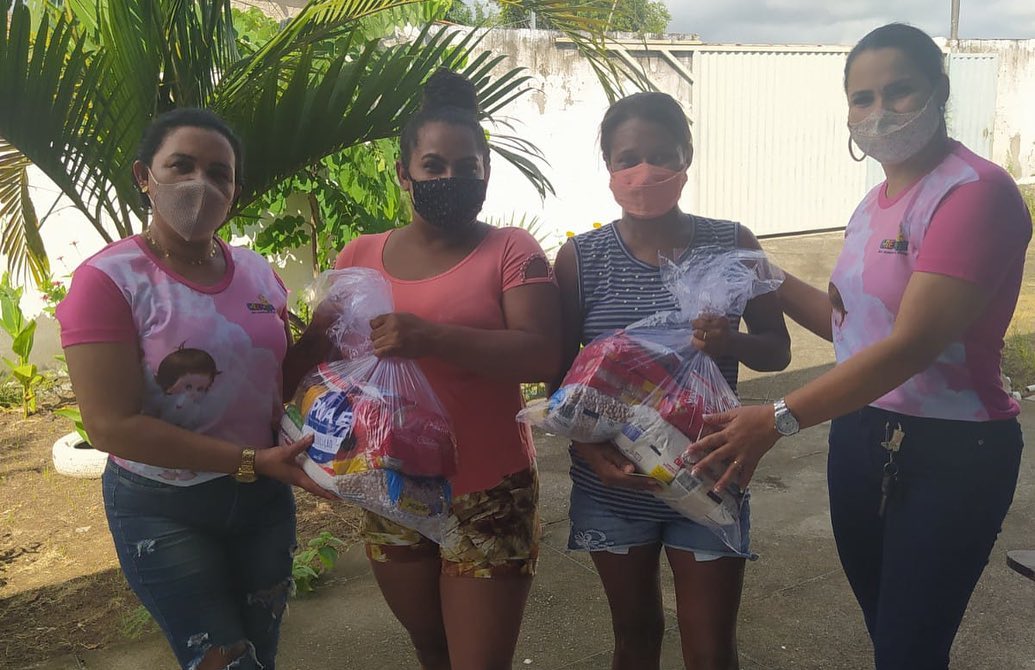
[1028,192]
[137,624]
[47,473]
[1019,360]
[10,393]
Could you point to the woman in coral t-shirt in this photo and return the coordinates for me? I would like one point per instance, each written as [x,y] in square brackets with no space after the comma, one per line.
[479,310]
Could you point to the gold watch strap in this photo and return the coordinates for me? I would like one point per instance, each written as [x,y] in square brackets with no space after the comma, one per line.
[246,469]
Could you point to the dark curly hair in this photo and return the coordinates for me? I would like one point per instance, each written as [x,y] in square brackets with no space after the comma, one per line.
[449,97]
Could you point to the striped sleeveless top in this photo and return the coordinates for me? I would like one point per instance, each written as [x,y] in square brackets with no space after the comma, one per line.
[615,290]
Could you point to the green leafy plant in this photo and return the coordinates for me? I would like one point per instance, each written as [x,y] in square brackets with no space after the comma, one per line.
[319,556]
[299,318]
[75,416]
[340,74]
[472,13]
[22,332]
[54,292]
[628,16]
[350,193]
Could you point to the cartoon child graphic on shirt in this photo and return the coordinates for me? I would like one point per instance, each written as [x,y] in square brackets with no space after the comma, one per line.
[838,304]
[185,377]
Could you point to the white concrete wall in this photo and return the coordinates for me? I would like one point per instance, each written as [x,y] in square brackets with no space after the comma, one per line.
[1013,145]
[769,129]
[69,239]
[562,117]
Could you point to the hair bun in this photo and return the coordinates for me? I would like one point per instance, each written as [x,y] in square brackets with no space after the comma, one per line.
[446,88]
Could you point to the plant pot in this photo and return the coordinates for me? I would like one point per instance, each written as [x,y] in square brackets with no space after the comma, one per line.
[75,458]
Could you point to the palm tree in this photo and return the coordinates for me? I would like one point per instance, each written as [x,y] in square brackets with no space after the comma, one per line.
[80,79]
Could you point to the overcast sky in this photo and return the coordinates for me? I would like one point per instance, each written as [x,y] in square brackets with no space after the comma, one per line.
[844,21]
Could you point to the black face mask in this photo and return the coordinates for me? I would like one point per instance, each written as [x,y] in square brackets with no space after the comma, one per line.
[449,203]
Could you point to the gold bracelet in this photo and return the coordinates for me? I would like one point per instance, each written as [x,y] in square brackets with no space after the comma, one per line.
[246,470]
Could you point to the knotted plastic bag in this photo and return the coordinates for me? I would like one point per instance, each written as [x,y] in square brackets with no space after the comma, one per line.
[646,388]
[382,438]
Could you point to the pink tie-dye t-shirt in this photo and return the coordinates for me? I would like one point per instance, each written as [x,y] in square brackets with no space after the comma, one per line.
[966,219]
[211,356]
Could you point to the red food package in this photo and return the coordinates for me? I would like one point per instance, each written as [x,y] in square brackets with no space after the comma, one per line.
[624,368]
[400,435]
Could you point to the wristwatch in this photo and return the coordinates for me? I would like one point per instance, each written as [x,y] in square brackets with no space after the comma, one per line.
[246,470]
[786,424]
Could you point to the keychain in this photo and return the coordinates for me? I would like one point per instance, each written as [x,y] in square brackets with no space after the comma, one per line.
[893,437]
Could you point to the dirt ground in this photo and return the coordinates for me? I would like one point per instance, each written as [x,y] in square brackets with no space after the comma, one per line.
[61,589]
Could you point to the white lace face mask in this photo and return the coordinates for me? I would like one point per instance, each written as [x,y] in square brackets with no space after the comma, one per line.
[894,137]
[195,209]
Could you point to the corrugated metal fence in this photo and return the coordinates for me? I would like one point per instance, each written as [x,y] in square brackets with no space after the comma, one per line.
[771,141]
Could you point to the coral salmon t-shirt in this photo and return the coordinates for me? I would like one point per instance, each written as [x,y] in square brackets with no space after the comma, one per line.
[490,443]
[966,219]
[211,356]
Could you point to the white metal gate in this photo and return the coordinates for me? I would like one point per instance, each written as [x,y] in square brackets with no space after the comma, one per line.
[771,140]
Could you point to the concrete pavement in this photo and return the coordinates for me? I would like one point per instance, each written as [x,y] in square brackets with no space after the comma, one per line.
[797,611]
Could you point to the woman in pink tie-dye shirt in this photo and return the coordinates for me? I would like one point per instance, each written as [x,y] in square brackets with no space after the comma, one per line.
[925,446]
[177,348]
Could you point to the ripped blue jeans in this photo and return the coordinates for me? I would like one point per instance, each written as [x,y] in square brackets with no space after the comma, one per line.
[210,562]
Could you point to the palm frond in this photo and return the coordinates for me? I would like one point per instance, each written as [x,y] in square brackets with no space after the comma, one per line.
[87,14]
[200,47]
[20,239]
[303,110]
[531,224]
[87,75]
[60,122]
[526,157]
[319,21]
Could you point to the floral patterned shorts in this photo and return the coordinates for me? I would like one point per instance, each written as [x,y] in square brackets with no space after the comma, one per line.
[489,534]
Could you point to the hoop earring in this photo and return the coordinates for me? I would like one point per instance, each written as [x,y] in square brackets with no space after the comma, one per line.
[851,152]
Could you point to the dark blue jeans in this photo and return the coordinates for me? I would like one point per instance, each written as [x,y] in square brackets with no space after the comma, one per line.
[211,562]
[914,569]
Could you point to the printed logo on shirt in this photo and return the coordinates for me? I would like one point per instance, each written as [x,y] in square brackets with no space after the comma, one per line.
[261,306]
[899,245]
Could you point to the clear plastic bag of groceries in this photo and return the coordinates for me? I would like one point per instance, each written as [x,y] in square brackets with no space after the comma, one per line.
[382,438]
[647,389]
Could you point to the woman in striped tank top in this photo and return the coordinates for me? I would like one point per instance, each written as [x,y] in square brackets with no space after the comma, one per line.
[609,279]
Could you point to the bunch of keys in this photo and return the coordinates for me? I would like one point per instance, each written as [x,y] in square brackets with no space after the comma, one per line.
[893,442]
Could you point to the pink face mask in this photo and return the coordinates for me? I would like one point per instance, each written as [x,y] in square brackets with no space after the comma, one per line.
[194,208]
[647,191]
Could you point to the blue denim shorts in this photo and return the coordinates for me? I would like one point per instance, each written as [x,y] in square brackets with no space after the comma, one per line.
[210,562]
[595,527]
